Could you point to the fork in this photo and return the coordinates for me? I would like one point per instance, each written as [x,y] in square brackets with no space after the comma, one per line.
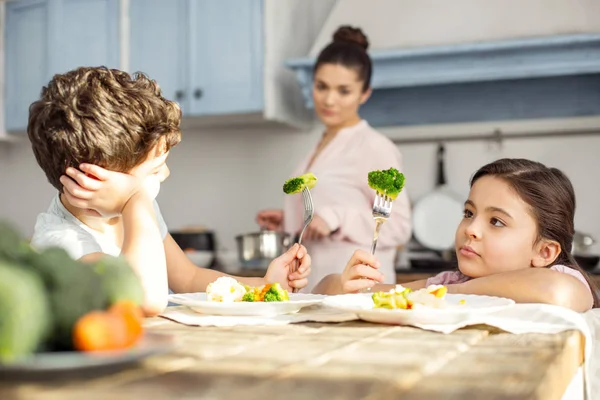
[309,211]
[382,210]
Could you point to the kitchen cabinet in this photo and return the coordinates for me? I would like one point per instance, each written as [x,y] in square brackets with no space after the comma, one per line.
[158,38]
[87,34]
[27,48]
[206,54]
[45,37]
[226,58]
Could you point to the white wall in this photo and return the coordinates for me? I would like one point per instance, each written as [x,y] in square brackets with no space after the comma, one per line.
[219,179]
[407,23]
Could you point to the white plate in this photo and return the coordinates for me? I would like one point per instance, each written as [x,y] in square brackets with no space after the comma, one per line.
[436,218]
[362,306]
[198,303]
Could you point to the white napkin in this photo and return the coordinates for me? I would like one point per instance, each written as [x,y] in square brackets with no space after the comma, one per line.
[315,313]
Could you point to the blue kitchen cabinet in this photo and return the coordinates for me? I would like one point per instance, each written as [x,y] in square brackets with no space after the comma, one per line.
[26,58]
[158,45]
[226,56]
[87,34]
[46,37]
[206,54]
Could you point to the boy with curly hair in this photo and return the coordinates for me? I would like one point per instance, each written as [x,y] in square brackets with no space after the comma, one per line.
[102,137]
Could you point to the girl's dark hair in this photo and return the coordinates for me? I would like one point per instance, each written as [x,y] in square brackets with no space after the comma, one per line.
[551,197]
[349,48]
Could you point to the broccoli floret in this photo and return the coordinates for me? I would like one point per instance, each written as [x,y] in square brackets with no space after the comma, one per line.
[276,293]
[297,184]
[294,185]
[248,296]
[388,182]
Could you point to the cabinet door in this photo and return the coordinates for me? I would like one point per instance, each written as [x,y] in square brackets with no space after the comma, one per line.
[226,56]
[26,38]
[87,34]
[158,45]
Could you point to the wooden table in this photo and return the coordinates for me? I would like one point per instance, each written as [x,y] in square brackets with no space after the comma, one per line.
[352,360]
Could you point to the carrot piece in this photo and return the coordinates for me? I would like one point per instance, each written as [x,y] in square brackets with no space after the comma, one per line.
[441,292]
[132,317]
[99,331]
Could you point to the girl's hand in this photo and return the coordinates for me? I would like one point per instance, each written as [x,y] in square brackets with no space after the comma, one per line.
[361,272]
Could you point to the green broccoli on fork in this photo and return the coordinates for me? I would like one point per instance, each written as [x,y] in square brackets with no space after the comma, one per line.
[297,184]
[387,182]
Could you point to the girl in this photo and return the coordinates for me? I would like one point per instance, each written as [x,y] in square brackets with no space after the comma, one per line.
[514,241]
[348,149]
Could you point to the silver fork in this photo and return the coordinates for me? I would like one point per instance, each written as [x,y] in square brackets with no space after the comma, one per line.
[309,211]
[382,210]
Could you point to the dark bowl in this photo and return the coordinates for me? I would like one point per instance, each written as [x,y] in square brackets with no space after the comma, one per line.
[200,241]
[587,262]
[432,264]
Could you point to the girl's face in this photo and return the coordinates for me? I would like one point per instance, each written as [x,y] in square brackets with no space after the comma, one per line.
[337,94]
[498,233]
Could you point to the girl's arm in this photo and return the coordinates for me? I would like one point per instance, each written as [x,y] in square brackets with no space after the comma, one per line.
[361,272]
[532,285]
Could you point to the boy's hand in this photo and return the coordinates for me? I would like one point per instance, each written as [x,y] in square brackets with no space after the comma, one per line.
[361,272]
[98,189]
[280,269]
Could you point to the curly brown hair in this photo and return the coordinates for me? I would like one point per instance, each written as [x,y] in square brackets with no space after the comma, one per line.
[100,116]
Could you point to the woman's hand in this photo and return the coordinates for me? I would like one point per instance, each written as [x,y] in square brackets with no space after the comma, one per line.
[270,219]
[317,229]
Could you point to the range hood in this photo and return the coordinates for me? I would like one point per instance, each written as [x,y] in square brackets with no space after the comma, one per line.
[526,78]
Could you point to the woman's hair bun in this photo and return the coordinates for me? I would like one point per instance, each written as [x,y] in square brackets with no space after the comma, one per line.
[349,34]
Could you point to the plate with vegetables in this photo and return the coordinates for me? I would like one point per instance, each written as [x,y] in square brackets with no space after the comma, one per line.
[427,306]
[227,296]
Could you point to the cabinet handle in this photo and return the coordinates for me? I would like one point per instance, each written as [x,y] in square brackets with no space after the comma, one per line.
[179,95]
[198,93]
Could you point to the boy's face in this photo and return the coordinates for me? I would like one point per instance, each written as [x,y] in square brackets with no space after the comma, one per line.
[153,171]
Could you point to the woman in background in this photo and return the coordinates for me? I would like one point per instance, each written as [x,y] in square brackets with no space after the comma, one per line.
[347,151]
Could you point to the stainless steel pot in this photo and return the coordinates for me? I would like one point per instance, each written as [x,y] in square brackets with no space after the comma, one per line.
[582,242]
[257,250]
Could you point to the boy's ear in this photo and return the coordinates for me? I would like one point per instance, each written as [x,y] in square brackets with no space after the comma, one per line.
[545,253]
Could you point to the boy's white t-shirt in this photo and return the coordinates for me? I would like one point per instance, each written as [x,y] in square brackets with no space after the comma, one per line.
[57,227]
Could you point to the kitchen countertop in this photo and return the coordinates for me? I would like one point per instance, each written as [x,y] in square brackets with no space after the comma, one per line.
[400,272]
[351,360]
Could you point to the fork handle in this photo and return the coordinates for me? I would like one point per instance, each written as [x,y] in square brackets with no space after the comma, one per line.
[295,265]
[302,234]
[378,223]
[295,261]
